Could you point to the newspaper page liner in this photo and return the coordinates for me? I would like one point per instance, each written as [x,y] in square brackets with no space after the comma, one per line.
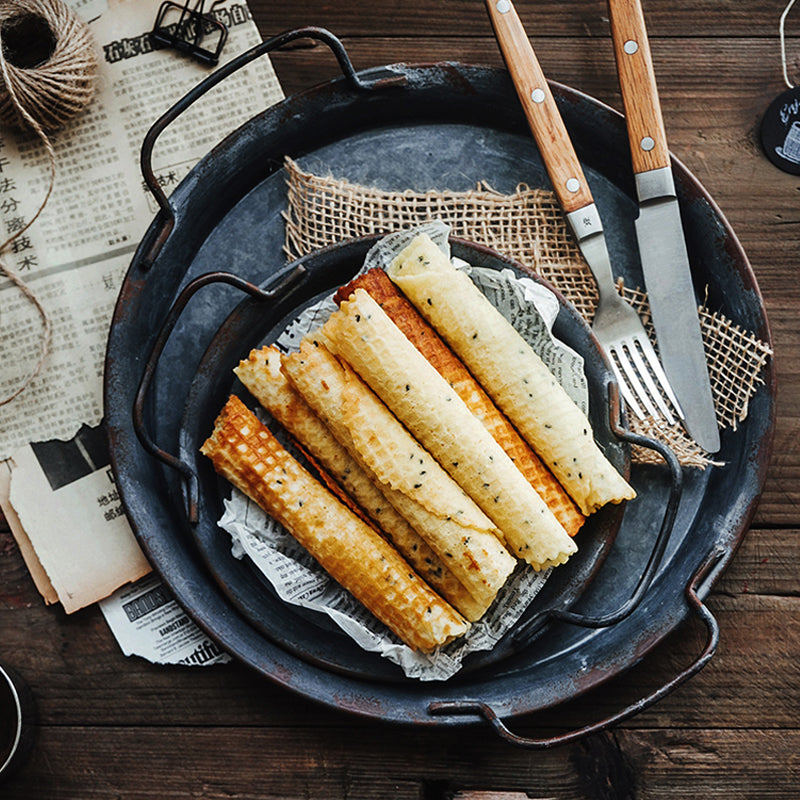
[296,577]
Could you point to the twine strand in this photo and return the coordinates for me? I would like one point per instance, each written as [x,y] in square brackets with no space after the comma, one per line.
[43,98]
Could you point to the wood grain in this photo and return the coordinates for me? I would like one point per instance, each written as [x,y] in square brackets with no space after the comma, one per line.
[558,154]
[115,727]
[638,86]
[339,762]
[577,18]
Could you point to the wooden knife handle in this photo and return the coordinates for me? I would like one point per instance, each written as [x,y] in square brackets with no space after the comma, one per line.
[648,139]
[544,118]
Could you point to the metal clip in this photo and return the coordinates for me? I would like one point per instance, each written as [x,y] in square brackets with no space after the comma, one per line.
[192,27]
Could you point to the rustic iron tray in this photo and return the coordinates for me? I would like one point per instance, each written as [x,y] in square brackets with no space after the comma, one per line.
[444,126]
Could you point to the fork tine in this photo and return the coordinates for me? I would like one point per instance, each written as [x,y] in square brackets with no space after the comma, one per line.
[632,374]
[624,387]
[636,345]
[658,370]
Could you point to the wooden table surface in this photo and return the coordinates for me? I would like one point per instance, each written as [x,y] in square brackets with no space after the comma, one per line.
[112,727]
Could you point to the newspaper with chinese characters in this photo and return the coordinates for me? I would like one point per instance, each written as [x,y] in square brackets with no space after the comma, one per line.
[75,255]
[57,490]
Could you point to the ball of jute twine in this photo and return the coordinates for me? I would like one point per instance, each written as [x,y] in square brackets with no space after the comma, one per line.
[49,63]
[48,67]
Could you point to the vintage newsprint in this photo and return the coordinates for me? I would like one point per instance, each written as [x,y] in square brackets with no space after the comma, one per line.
[147,622]
[74,256]
[57,486]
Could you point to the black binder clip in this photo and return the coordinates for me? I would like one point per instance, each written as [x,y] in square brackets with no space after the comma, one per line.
[192,27]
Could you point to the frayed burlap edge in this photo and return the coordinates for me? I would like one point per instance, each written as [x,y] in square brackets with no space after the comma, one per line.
[529,227]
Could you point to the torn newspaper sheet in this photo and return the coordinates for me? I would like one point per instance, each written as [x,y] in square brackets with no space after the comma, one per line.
[146,621]
[66,499]
[75,255]
[71,527]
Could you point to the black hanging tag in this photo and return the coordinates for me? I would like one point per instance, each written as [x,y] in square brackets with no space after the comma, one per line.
[780,125]
[780,131]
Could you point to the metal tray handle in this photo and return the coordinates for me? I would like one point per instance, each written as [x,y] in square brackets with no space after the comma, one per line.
[463,707]
[526,630]
[191,288]
[379,78]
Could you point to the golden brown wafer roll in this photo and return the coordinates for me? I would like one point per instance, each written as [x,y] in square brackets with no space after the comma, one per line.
[245,452]
[398,308]
[261,373]
[511,372]
[362,334]
[419,489]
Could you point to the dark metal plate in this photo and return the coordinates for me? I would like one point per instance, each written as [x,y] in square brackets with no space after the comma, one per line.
[310,636]
[451,126]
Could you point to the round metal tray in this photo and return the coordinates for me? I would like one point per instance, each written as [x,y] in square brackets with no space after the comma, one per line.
[443,126]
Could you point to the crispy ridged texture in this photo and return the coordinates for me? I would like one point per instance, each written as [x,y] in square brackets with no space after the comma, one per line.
[511,372]
[261,373]
[245,452]
[419,489]
[398,308]
[362,334]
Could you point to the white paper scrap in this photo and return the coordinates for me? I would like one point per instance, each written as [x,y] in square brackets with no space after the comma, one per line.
[147,621]
[83,539]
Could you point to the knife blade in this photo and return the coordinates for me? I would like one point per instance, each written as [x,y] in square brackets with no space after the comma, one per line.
[659,230]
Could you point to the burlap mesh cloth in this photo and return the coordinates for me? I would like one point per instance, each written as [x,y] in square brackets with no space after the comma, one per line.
[527,226]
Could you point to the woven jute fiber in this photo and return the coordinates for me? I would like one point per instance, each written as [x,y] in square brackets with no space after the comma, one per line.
[529,227]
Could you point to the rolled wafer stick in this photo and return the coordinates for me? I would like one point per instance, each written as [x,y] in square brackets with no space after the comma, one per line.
[362,334]
[398,308]
[511,372]
[455,528]
[245,452]
[262,375]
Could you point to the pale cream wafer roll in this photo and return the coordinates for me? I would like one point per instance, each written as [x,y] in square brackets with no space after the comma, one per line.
[262,375]
[427,405]
[398,308]
[511,372]
[245,452]
[449,521]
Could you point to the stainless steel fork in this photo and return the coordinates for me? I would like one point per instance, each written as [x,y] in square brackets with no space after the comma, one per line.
[616,324]
[621,333]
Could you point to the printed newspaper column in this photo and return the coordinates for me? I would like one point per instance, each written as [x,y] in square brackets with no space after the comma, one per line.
[74,257]
[147,622]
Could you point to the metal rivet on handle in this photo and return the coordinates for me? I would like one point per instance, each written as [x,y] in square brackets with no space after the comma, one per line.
[503,6]
[648,143]
[630,47]
[537,95]
[573,184]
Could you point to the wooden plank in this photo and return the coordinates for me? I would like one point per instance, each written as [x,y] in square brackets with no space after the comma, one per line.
[689,71]
[218,762]
[578,18]
[765,564]
[780,500]
[78,673]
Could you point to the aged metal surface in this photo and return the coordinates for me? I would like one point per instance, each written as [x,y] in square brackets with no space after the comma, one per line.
[450,123]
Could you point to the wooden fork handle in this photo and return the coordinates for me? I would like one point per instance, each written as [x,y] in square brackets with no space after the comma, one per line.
[646,134]
[541,111]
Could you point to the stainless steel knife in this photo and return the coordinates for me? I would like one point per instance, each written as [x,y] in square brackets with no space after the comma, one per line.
[662,245]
